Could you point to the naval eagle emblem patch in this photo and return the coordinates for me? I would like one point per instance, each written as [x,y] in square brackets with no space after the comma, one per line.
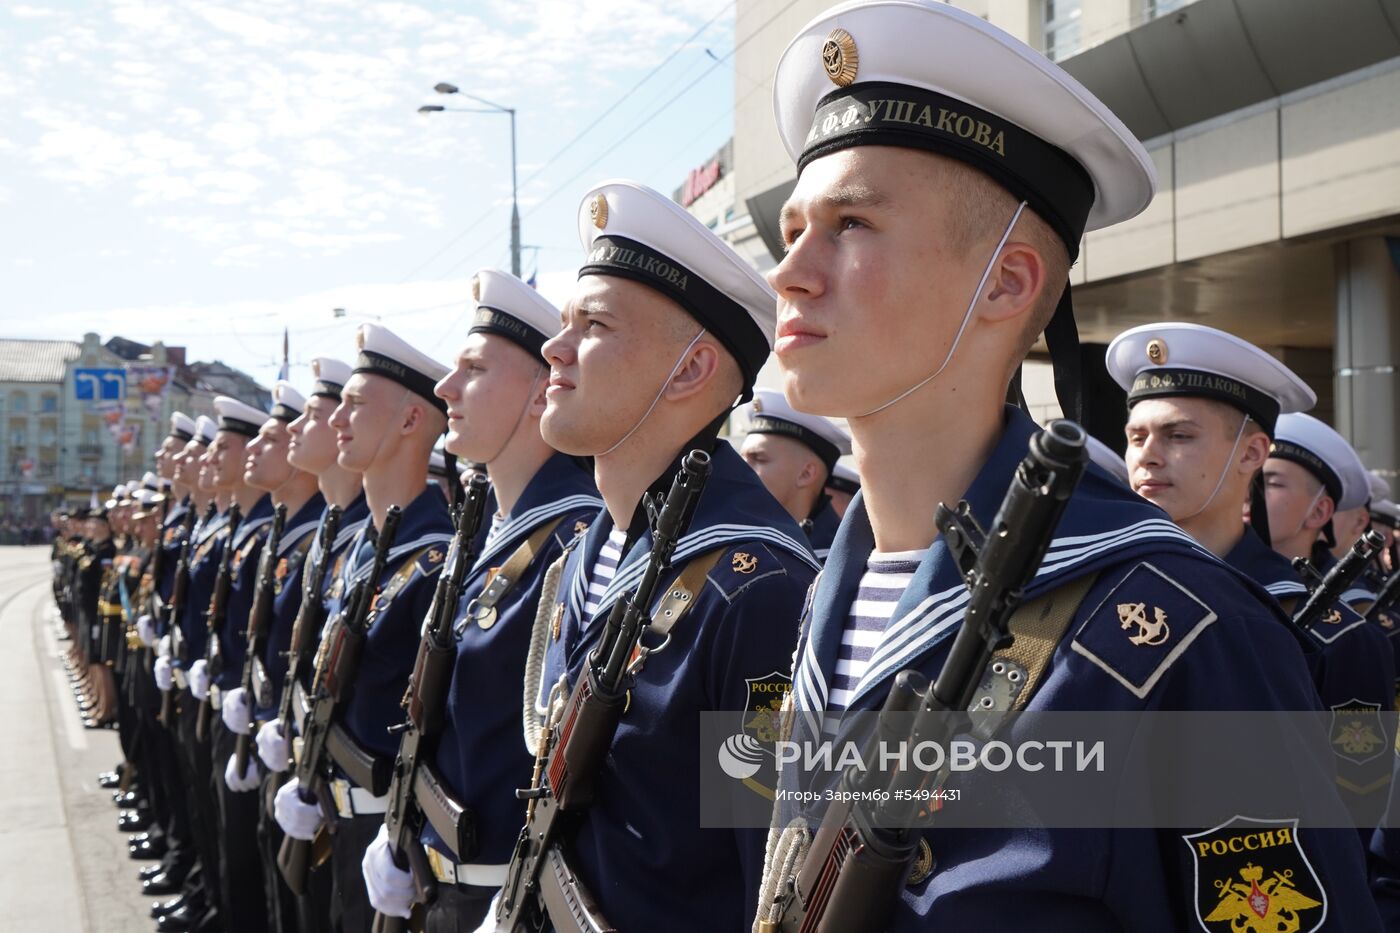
[1252,876]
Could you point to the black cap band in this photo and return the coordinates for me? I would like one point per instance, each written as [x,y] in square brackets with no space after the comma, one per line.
[841,484]
[327,389]
[1311,462]
[411,379]
[284,413]
[496,321]
[1167,383]
[823,448]
[882,113]
[721,315]
[181,435]
[238,426]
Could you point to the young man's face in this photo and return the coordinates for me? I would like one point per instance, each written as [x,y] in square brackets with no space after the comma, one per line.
[227,460]
[870,294]
[369,410]
[1295,498]
[619,343]
[186,463]
[311,439]
[492,383]
[165,457]
[267,466]
[1177,451]
[787,468]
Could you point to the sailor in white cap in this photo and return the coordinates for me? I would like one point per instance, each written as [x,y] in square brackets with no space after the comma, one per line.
[666,328]
[947,174]
[794,454]
[1312,474]
[842,486]
[181,433]
[543,499]
[242,904]
[311,450]
[1348,525]
[386,425]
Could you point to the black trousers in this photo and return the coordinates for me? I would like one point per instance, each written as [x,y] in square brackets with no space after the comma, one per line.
[457,908]
[241,899]
[350,908]
[281,902]
[199,799]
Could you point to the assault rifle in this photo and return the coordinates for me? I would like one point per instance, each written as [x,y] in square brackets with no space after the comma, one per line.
[426,700]
[218,612]
[310,617]
[865,846]
[1327,590]
[179,593]
[570,757]
[156,568]
[259,623]
[1386,598]
[336,662]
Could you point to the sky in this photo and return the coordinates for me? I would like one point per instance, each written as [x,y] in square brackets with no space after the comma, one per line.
[206,173]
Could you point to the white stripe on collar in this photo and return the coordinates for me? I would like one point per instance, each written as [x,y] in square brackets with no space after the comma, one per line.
[1358,594]
[347,532]
[702,540]
[397,551]
[1286,588]
[526,521]
[291,538]
[247,528]
[909,636]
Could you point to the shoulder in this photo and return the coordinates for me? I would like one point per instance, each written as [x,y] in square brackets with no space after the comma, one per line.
[1168,616]
[756,570]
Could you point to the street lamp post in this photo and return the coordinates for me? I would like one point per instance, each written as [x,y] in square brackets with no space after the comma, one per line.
[445,88]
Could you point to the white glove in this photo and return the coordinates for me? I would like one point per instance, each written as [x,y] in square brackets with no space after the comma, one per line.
[249,780]
[236,714]
[164,648]
[146,630]
[199,680]
[390,887]
[298,819]
[164,677]
[274,750]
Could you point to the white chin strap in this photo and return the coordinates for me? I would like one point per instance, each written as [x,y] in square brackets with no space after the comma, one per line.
[529,398]
[967,318]
[659,392]
[1308,511]
[1225,468]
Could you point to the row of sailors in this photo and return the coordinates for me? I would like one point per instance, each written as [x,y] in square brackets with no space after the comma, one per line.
[577,425]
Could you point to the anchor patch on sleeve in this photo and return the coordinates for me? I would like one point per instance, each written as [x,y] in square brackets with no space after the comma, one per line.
[1140,629]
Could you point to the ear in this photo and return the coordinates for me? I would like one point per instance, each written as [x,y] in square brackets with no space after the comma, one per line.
[540,401]
[1255,452]
[696,373]
[1321,512]
[811,473]
[412,416]
[1016,281]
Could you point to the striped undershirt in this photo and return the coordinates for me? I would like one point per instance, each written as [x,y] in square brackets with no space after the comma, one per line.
[604,570]
[886,577]
[497,521]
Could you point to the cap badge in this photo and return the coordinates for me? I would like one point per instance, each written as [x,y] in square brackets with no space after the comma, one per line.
[839,57]
[758,406]
[476,288]
[598,211]
[1157,351]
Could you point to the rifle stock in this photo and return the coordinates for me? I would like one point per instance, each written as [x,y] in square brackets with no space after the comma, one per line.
[218,610]
[1329,591]
[259,621]
[335,667]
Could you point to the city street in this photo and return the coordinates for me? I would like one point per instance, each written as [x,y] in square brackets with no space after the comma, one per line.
[63,865]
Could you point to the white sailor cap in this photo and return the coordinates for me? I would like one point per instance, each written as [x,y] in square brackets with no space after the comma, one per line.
[1378,487]
[238,417]
[1386,512]
[926,75]
[181,426]
[384,353]
[150,482]
[287,402]
[1326,454]
[508,307]
[844,478]
[770,413]
[146,498]
[204,430]
[1181,359]
[1108,459]
[636,233]
[331,375]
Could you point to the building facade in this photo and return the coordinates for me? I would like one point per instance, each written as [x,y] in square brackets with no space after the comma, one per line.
[1274,126]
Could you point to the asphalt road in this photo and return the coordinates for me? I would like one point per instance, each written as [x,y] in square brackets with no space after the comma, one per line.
[63,865]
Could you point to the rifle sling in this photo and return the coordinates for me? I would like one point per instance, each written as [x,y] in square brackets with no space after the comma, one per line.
[502,580]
